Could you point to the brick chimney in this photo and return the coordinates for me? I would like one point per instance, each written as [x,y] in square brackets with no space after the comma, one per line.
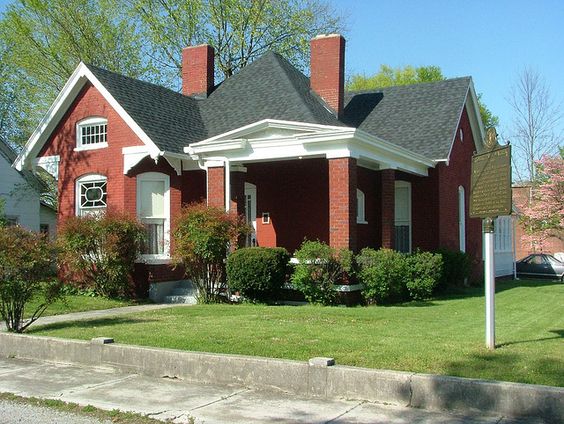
[327,68]
[197,70]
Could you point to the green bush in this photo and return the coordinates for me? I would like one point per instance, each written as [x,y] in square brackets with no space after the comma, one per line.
[456,269]
[319,269]
[201,238]
[383,274]
[425,270]
[258,273]
[99,252]
[26,260]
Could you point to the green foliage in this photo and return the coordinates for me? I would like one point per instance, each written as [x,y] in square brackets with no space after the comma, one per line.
[425,269]
[42,41]
[2,214]
[488,118]
[319,269]
[383,274]
[26,260]
[99,252]
[258,273]
[388,76]
[456,269]
[201,238]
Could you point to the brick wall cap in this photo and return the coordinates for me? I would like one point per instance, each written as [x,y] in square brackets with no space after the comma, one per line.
[327,36]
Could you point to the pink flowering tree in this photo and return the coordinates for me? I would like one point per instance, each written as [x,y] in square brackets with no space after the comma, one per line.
[543,216]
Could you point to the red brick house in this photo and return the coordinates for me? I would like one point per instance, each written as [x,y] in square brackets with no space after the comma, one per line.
[299,156]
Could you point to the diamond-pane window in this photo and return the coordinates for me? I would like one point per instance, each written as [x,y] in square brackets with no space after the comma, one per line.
[91,194]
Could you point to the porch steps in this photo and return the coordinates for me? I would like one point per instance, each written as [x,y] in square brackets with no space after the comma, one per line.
[184,292]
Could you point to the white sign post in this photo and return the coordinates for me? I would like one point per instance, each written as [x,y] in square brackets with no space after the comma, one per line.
[489,270]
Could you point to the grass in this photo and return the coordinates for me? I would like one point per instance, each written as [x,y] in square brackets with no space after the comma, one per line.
[441,336]
[77,303]
[114,416]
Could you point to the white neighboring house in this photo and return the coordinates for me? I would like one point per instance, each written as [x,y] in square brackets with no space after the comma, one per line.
[21,192]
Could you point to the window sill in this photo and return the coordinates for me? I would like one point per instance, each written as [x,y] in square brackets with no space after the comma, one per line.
[362,222]
[92,147]
[154,260]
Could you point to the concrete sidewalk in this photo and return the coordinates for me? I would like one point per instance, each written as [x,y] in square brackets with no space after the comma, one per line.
[100,313]
[181,401]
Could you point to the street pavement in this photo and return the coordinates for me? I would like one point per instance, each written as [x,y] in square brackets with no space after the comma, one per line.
[181,401]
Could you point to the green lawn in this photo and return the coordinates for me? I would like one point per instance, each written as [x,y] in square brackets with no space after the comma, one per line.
[442,336]
[77,303]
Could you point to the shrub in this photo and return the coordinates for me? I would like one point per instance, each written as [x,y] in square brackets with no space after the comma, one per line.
[456,269]
[25,262]
[258,273]
[201,238]
[383,274]
[99,252]
[425,270]
[319,269]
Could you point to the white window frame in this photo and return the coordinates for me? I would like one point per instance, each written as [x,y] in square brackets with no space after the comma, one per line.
[360,207]
[156,177]
[461,219]
[95,120]
[89,178]
[409,222]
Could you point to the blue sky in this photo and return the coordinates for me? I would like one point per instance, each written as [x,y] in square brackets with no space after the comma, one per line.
[492,41]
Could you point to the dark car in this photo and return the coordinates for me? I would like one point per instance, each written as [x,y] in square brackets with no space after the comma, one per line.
[540,265]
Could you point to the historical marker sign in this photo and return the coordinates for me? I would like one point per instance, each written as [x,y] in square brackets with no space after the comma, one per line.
[490,187]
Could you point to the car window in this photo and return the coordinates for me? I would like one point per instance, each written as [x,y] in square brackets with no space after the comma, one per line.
[553,260]
[537,260]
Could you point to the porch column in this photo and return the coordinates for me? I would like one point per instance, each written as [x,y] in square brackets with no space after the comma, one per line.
[342,203]
[388,190]
[216,186]
[238,175]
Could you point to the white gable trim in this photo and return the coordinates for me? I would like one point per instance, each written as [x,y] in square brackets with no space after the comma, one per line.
[476,124]
[307,140]
[68,94]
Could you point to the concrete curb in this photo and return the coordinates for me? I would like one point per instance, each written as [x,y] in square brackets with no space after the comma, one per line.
[313,379]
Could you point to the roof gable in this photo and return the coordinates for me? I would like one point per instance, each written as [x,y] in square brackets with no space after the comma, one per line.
[421,117]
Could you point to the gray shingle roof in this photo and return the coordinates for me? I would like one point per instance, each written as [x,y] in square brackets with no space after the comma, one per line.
[10,156]
[170,119]
[269,88]
[421,118]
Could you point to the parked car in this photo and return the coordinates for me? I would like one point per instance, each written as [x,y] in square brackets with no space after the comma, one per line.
[540,265]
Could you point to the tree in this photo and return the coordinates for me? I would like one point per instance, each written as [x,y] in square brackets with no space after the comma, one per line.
[26,259]
[543,216]
[239,30]
[388,76]
[534,131]
[42,42]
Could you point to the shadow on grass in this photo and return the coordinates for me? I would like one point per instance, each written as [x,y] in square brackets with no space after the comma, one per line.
[101,322]
[558,335]
[499,365]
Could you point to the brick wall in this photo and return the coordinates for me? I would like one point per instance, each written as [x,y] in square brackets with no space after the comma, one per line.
[216,187]
[370,234]
[327,69]
[450,177]
[342,203]
[387,207]
[197,70]
[295,194]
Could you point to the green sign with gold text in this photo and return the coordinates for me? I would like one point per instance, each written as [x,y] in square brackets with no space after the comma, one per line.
[490,190]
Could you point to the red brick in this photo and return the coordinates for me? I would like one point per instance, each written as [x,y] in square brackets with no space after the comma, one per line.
[327,64]
[197,70]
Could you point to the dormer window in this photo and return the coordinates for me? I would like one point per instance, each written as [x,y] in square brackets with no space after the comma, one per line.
[92,133]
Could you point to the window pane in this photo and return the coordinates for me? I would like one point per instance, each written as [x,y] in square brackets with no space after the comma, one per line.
[152,199]
[93,134]
[155,238]
[401,239]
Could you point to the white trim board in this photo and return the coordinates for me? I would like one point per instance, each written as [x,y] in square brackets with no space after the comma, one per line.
[68,94]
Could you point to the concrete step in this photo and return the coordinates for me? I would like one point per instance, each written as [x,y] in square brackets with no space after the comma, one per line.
[184,291]
[190,300]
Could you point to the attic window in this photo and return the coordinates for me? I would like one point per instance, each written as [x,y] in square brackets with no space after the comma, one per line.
[91,133]
[461,135]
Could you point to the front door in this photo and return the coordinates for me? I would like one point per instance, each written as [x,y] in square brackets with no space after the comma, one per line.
[251,213]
